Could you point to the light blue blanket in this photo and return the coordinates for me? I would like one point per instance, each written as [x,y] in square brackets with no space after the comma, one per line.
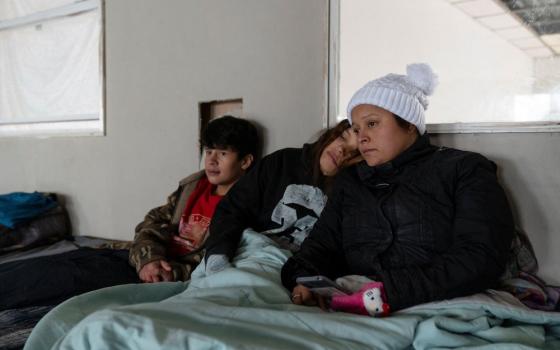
[246,307]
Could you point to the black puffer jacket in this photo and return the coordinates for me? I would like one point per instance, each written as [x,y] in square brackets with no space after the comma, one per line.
[432,224]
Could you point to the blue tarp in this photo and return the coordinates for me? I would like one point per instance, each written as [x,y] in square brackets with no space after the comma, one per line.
[18,207]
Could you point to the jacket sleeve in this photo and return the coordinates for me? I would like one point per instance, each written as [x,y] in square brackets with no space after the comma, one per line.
[482,230]
[237,211]
[321,252]
[154,233]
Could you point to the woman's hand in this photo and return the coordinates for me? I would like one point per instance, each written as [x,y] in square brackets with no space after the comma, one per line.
[301,295]
[156,271]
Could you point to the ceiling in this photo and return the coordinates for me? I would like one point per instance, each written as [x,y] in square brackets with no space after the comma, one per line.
[541,15]
[531,25]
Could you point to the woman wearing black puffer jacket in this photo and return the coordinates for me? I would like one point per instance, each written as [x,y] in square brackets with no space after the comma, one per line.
[413,223]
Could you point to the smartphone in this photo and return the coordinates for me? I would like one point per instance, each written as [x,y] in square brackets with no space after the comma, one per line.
[322,286]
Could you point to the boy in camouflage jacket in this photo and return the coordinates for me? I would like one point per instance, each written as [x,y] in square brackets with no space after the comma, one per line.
[169,243]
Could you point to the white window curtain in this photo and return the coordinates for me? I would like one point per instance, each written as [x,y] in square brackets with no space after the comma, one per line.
[50,71]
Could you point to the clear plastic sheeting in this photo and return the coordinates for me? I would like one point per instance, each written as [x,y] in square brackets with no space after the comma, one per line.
[49,71]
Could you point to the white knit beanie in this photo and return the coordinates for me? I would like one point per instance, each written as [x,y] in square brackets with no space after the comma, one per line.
[403,95]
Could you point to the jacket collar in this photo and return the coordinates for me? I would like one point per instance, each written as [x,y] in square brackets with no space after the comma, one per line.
[417,150]
[193,178]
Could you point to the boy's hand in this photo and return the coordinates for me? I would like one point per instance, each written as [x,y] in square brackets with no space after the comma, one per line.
[156,271]
[301,295]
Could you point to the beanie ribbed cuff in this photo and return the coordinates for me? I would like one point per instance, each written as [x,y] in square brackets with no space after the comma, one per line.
[402,104]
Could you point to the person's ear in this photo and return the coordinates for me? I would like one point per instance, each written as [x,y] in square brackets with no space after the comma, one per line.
[412,128]
[247,161]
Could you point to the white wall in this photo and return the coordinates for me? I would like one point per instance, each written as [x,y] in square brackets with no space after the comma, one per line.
[163,58]
[480,73]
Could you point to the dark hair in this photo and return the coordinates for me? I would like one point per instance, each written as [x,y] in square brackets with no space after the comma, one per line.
[230,132]
[325,139]
[403,124]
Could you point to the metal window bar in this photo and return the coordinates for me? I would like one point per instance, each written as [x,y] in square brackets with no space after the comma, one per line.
[49,15]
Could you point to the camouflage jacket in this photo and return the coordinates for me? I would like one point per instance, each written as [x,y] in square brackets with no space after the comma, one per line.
[160,224]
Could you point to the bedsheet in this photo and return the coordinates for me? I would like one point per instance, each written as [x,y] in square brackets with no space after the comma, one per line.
[246,307]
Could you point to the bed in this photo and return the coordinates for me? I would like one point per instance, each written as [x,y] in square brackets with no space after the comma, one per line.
[37,279]
[246,307]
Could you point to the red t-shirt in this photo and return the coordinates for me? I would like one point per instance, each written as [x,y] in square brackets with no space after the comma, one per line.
[193,227]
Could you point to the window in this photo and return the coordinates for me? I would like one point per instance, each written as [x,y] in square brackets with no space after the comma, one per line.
[51,67]
[498,61]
